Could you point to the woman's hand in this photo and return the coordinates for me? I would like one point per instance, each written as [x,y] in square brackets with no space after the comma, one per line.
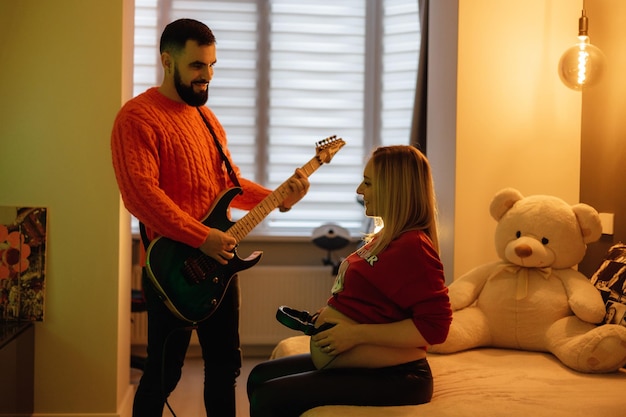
[339,338]
[345,335]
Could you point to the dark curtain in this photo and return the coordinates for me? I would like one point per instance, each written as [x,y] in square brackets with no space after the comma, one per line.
[418,125]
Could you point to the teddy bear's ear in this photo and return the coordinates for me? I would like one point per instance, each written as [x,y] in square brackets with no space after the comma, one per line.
[503,201]
[589,221]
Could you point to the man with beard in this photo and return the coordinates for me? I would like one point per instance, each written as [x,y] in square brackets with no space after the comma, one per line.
[168,164]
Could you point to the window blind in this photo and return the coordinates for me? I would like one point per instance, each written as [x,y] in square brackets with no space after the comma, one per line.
[292,72]
[401,44]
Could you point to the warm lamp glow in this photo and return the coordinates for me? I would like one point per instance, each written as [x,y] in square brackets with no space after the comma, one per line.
[581,65]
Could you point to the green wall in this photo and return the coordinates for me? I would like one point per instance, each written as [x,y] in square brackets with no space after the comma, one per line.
[61,85]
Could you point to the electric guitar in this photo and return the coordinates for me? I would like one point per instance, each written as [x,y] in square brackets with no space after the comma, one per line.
[192,284]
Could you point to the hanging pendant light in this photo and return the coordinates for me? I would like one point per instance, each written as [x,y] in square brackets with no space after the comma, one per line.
[583,64]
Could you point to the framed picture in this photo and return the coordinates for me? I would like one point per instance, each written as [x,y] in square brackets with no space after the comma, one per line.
[23,233]
[610,280]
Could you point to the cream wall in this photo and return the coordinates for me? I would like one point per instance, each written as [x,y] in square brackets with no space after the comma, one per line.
[503,119]
[604,128]
[60,88]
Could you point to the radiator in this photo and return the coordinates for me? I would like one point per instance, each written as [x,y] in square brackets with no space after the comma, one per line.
[263,290]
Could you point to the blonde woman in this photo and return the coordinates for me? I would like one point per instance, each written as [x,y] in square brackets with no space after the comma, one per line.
[388,303]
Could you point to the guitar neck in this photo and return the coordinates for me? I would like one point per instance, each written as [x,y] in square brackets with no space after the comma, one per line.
[255,216]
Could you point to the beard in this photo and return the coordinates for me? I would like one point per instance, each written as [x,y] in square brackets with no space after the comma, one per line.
[186,92]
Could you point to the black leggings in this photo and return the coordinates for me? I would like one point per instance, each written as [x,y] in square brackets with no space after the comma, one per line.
[289,386]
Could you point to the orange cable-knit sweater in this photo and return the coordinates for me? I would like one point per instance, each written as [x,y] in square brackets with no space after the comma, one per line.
[168,168]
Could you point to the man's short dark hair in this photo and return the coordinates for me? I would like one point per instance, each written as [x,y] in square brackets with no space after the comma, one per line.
[176,34]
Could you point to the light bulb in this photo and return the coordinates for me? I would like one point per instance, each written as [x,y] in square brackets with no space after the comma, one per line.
[583,64]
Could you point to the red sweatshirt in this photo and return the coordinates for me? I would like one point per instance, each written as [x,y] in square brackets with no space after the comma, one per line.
[168,168]
[405,280]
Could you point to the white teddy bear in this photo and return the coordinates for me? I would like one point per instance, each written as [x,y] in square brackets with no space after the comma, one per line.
[533,298]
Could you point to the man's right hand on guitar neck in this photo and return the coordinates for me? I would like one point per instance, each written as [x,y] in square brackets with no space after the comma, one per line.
[219,246]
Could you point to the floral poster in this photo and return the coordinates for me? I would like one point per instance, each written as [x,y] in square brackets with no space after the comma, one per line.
[22,263]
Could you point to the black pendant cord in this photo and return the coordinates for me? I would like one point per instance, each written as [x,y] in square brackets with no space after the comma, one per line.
[229,167]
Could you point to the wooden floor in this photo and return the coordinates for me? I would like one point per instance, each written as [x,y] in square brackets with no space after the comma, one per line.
[186,400]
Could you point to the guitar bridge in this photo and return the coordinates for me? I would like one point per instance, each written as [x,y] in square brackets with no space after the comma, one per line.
[197,269]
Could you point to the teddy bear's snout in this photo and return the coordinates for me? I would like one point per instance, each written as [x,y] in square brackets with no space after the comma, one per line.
[523,251]
[528,252]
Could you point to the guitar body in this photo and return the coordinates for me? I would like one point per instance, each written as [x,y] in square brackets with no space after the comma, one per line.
[191,283]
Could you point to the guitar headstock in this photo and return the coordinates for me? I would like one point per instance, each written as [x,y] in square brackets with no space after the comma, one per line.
[327,148]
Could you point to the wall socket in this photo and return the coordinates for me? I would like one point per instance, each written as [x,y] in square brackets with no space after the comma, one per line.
[607,223]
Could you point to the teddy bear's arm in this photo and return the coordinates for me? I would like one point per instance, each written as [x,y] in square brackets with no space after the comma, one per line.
[465,289]
[584,299]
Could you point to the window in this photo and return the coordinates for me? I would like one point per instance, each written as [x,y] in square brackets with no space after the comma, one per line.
[291,73]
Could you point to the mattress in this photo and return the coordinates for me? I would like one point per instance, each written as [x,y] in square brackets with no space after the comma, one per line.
[496,382]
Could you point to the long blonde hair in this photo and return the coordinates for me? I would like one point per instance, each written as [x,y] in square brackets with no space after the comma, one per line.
[404,193]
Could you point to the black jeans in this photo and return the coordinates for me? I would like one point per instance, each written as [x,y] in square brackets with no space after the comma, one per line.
[289,386]
[168,340]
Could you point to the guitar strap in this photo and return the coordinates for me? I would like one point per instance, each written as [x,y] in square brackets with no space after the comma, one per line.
[229,167]
[144,235]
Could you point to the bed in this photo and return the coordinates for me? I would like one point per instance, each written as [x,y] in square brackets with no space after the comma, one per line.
[496,382]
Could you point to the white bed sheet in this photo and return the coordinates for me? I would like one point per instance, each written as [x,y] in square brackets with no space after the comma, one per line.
[492,382]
